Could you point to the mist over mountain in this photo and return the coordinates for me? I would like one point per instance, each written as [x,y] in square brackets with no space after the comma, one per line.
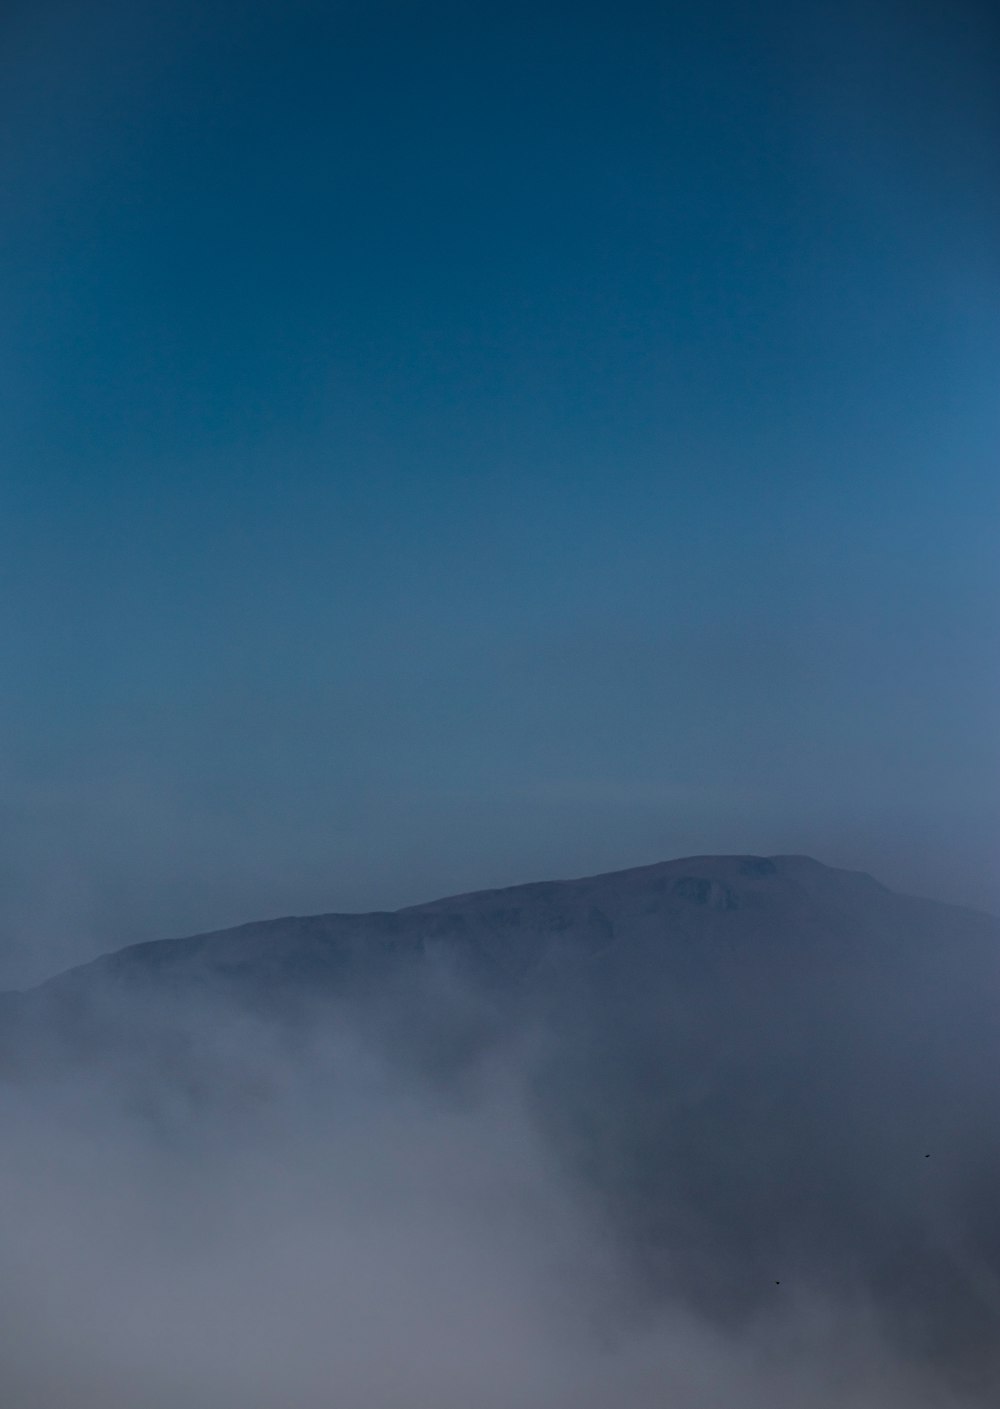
[738,1103]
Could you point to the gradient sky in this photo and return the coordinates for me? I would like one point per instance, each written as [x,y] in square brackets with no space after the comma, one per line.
[457,444]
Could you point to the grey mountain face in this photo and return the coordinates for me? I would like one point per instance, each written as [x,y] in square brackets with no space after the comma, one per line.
[766,1073]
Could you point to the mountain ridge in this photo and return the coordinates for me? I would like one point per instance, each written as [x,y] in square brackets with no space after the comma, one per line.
[717,867]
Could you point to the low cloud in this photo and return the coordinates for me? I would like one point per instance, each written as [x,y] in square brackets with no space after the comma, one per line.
[330,1226]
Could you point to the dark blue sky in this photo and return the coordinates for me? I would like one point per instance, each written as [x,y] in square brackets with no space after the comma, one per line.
[459,444]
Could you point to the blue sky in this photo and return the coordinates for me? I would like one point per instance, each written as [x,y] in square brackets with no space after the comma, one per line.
[451,445]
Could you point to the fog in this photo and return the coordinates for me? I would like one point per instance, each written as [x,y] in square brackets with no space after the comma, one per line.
[316,1223]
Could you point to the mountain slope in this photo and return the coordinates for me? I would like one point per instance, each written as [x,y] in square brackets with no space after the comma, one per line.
[769,1073]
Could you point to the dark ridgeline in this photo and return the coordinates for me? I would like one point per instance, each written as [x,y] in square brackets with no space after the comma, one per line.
[748,1060]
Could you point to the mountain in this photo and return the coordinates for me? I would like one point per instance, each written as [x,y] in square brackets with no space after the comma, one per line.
[769,1074]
